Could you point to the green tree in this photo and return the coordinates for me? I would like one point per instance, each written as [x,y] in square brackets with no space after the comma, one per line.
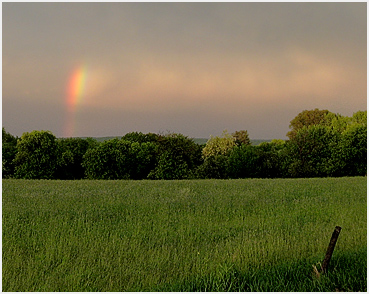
[8,138]
[143,159]
[9,150]
[219,145]
[107,161]
[214,167]
[241,138]
[141,137]
[339,123]
[37,155]
[309,118]
[119,159]
[350,154]
[177,158]
[170,167]
[310,151]
[243,162]
[271,159]
[70,157]
[360,117]
[215,156]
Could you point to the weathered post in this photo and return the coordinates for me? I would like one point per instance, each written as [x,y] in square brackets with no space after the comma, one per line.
[330,249]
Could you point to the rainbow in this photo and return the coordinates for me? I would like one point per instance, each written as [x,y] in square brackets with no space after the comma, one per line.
[75,93]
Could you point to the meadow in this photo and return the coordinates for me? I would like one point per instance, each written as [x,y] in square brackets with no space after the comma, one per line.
[191,235]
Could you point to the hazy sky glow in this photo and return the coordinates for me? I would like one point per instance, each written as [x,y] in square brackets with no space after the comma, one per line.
[190,68]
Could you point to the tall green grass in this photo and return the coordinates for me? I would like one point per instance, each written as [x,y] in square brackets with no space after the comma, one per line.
[200,235]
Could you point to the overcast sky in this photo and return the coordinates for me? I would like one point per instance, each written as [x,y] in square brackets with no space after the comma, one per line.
[190,68]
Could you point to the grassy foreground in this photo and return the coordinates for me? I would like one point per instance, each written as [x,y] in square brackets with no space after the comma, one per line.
[200,235]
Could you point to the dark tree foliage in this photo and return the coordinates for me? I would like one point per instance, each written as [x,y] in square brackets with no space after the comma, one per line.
[350,155]
[119,159]
[108,161]
[8,138]
[70,157]
[178,156]
[241,138]
[36,157]
[9,151]
[144,159]
[321,144]
[311,151]
[170,166]
[271,159]
[243,162]
[360,117]
[309,118]
[140,137]
[214,167]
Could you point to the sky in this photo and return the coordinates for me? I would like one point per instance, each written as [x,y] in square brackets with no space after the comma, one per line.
[107,69]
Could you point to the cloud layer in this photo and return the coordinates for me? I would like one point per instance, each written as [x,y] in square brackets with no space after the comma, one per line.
[195,68]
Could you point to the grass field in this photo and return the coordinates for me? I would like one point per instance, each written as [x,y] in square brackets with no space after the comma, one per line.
[198,235]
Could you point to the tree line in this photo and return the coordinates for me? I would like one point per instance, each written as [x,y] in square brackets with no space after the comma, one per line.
[320,144]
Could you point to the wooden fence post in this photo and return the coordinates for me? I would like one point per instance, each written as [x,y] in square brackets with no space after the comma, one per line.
[330,249]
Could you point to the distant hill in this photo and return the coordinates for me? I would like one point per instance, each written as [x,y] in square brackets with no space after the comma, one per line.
[102,139]
[253,142]
[199,141]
